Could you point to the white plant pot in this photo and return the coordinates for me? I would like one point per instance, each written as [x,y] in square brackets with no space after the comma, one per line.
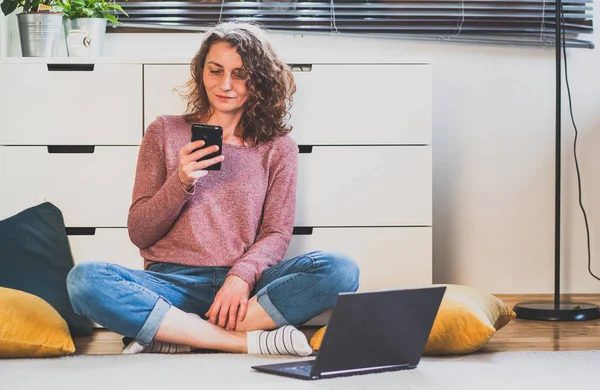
[85,36]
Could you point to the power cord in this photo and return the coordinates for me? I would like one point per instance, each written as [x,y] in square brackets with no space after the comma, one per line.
[587,229]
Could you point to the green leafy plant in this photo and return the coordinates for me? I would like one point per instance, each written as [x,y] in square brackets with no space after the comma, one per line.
[74,9]
[9,6]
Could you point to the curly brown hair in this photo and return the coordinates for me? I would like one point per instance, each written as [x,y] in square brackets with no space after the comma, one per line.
[270,83]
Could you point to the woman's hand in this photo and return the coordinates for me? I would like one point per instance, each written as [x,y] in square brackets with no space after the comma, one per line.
[189,170]
[230,304]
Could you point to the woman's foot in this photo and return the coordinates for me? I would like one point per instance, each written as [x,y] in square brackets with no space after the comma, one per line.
[286,340]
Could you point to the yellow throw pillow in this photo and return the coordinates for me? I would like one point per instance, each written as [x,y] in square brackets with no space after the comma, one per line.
[30,327]
[466,320]
[317,338]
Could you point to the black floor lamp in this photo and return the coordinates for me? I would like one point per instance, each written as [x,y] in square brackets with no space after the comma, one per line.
[557,310]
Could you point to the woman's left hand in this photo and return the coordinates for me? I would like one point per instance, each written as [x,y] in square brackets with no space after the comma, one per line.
[230,304]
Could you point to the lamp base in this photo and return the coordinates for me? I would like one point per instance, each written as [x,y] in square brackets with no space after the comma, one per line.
[565,311]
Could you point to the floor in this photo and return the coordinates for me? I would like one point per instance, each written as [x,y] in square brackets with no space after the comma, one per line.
[519,335]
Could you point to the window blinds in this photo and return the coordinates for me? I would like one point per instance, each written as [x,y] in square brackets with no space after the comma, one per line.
[529,22]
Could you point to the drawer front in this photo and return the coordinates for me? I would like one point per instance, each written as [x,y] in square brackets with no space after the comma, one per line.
[160,96]
[362,104]
[104,244]
[388,258]
[72,106]
[364,186]
[329,108]
[91,189]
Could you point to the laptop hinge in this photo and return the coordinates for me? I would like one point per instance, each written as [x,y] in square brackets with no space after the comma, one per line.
[366,370]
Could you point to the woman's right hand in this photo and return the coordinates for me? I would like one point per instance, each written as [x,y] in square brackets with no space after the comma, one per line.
[189,170]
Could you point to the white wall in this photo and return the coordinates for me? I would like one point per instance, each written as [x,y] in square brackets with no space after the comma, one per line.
[11,39]
[493,132]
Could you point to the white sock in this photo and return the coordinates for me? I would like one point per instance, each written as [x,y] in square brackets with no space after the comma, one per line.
[156,347]
[286,340]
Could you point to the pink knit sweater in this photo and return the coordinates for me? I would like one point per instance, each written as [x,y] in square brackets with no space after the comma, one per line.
[241,216]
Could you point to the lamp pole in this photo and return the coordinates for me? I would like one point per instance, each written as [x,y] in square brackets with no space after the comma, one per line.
[557,310]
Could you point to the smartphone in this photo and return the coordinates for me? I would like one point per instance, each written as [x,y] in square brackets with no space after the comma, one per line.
[211,135]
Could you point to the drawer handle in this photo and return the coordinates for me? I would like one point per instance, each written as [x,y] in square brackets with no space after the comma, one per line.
[302,231]
[80,231]
[70,67]
[305,148]
[301,67]
[71,149]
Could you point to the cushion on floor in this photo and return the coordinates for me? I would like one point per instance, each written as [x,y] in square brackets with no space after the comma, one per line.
[36,258]
[30,327]
[465,322]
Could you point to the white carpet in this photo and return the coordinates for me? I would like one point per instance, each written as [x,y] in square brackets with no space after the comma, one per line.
[481,371]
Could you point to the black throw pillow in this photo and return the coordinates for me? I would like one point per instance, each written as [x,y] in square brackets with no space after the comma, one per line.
[35,257]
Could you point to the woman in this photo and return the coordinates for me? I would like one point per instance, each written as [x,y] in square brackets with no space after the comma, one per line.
[213,241]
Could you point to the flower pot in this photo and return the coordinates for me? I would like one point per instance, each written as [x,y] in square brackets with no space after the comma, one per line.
[85,36]
[39,33]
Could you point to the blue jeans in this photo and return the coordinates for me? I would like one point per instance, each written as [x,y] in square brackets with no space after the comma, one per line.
[133,302]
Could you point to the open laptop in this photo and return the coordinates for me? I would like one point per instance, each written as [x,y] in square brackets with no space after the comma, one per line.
[370,332]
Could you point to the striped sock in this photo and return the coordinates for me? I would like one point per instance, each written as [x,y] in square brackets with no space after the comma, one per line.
[286,340]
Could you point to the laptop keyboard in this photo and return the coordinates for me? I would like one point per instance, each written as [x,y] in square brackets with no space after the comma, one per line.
[302,368]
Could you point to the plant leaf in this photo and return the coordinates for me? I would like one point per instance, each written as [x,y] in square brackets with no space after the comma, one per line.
[88,8]
[9,6]
[111,18]
[117,7]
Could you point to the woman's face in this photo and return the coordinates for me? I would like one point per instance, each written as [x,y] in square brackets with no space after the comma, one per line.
[225,79]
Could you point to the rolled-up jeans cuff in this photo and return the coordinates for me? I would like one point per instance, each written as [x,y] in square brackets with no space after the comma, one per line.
[276,316]
[146,334]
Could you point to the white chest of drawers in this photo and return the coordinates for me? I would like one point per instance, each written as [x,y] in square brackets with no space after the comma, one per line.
[70,134]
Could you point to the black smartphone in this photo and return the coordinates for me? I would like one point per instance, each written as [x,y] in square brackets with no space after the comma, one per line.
[211,135]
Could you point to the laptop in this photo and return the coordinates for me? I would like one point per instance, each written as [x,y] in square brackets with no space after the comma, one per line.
[370,332]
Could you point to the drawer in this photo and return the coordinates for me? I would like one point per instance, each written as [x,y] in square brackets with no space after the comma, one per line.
[364,186]
[160,96]
[71,104]
[333,104]
[388,257]
[91,189]
[104,244]
[363,104]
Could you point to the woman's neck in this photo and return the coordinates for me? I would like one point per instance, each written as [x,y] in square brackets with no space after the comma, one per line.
[233,131]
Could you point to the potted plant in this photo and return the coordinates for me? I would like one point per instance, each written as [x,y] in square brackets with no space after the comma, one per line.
[88,18]
[39,27]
